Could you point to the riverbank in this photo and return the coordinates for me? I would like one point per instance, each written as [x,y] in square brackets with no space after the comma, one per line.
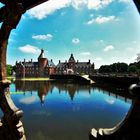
[120,80]
[34,79]
[71,78]
[28,79]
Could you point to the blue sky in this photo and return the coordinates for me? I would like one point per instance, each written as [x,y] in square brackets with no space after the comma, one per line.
[105,31]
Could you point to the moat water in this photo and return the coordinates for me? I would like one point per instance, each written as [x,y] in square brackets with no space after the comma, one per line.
[66,111]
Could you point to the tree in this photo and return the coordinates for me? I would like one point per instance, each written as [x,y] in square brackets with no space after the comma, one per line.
[105,69]
[122,67]
[9,69]
[113,67]
[132,69]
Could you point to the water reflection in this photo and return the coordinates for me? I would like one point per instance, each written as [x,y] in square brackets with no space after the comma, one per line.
[63,111]
[43,88]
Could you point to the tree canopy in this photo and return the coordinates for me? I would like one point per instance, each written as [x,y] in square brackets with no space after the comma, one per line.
[114,68]
[121,68]
[9,70]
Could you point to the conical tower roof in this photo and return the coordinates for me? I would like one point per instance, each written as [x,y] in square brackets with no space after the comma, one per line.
[71,59]
[41,54]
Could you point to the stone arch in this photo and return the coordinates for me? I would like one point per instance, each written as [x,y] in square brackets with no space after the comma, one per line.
[10,15]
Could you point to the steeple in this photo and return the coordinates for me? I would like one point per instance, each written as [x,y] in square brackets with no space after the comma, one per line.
[71,59]
[41,54]
[42,61]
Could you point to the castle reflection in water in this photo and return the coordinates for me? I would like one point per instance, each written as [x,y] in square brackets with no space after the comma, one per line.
[44,87]
[80,106]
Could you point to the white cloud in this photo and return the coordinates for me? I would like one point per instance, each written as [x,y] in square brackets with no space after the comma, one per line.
[91,15]
[91,21]
[85,53]
[47,37]
[125,1]
[94,5]
[101,19]
[43,10]
[108,48]
[134,42]
[75,40]
[130,49]
[77,4]
[29,49]
[97,4]
[101,41]
[98,59]
[63,13]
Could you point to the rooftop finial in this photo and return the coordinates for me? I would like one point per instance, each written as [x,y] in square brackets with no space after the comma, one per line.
[41,54]
[42,51]
[71,59]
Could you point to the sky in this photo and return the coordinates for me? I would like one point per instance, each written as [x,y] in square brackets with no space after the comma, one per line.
[104,31]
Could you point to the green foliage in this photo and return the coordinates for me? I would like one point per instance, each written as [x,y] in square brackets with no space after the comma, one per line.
[114,68]
[138,71]
[120,68]
[132,68]
[105,69]
[9,69]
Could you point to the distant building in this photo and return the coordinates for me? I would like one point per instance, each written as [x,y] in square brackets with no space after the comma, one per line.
[42,68]
[73,67]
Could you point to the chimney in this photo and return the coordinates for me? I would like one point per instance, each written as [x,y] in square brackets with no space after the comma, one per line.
[51,60]
[24,60]
[77,61]
[31,60]
[59,61]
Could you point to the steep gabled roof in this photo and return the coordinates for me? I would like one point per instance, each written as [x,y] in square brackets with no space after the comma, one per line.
[83,64]
[71,59]
[61,65]
[51,64]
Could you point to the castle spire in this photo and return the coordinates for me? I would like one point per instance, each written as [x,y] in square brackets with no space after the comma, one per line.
[71,59]
[41,54]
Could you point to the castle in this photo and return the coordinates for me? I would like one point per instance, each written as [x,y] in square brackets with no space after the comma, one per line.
[73,67]
[42,68]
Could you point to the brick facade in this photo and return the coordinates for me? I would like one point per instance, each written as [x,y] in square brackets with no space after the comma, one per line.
[73,67]
[42,68]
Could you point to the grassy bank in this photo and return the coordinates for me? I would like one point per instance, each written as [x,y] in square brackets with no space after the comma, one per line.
[34,79]
[28,79]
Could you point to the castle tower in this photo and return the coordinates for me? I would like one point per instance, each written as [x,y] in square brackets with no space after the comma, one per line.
[42,60]
[71,62]
[71,59]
